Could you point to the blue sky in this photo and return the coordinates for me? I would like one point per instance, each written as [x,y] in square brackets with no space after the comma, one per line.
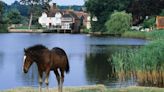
[59,2]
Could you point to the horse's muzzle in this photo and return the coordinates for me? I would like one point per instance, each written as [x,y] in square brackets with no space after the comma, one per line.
[25,71]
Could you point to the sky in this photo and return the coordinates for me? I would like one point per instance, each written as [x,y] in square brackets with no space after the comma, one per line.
[59,2]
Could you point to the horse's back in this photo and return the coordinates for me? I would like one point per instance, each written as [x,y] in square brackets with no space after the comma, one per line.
[59,59]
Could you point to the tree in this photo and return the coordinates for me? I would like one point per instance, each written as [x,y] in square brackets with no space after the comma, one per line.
[14,17]
[142,8]
[33,4]
[103,8]
[1,8]
[23,9]
[138,8]
[119,22]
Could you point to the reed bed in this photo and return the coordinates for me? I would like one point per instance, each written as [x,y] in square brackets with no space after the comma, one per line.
[145,64]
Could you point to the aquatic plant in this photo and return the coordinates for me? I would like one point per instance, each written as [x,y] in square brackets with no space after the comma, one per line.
[147,64]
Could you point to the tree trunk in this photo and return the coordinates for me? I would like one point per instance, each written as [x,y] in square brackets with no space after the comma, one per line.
[30,21]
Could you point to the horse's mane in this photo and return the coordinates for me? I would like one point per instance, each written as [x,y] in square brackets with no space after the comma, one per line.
[36,47]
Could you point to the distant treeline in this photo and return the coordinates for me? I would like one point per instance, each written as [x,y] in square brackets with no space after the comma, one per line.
[24,9]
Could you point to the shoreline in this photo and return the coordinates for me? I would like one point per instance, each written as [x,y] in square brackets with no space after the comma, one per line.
[90,88]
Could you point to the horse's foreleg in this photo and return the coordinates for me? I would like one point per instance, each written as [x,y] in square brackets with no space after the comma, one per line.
[58,79]
[40,82]
[46,81]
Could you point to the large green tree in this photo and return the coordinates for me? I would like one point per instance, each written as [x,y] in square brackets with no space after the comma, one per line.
[119,22]
[14,17]
[142,8]
[33,4]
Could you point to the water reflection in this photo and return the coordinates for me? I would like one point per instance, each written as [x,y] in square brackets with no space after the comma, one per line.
[1,60]
[98,69]
[31,78]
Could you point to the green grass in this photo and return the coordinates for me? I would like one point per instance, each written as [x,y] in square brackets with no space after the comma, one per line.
[134,34]
[96,88]
[136,89]
[153,35]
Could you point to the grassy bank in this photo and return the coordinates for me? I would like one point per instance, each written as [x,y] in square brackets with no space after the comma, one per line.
[96,88]
[153,35]
[134,34]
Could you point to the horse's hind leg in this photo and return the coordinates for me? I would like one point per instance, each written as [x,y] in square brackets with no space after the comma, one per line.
[40,81]
[62,79]
[58,79]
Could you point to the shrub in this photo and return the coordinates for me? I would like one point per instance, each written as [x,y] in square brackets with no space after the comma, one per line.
[119,22]
[148,23]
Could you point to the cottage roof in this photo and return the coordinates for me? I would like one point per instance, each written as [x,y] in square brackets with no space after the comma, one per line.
[82,15]
[67,16]
[67,13]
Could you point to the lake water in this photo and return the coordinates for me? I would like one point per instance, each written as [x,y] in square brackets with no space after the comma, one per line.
[88,57]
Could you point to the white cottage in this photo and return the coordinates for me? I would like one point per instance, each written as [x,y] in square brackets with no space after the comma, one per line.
[64,19]
[47,21]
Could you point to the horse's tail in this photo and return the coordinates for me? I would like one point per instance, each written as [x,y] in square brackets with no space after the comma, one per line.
[67,69]
[63,53]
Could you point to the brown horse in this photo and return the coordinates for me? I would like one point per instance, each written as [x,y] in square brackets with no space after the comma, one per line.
[47,60]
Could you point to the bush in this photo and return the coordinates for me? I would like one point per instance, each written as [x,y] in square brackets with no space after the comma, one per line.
[148,23]
[85,30]
[119,22]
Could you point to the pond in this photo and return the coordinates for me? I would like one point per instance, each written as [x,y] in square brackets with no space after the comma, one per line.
[88,57]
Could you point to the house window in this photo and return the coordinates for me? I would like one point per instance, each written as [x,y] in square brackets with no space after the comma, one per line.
[66,26]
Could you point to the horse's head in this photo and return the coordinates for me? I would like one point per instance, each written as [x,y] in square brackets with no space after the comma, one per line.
[27,60]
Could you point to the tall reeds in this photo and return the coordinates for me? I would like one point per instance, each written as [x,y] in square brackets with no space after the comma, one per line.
[146,64]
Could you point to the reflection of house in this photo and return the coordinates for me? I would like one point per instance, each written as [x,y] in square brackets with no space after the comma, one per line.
[64,20]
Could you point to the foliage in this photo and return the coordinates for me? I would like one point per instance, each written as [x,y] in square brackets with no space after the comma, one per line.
[119,22]
[150,22]
[23,9]
[142,8]
[33,5]
[14,17]
[150,57]
[74,7]
[85,30]
[146,63]
[1,6]
[162,13]
[138,8]
[3,28]
[1,9]
[102,9]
